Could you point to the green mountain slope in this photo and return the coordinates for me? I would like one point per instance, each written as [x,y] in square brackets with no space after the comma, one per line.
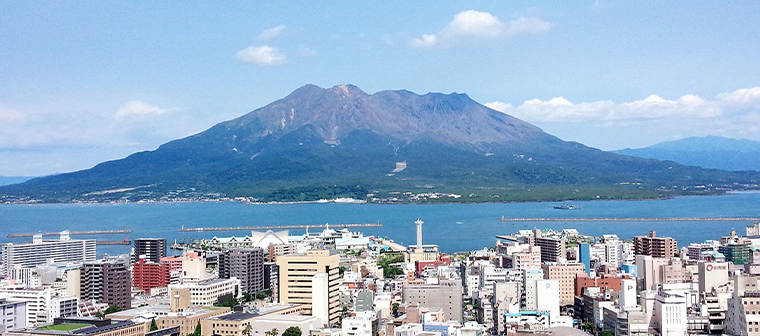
[318,143]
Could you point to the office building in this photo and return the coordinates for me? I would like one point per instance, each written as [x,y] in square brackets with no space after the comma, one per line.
[245,264]
[39,251]
[446,295]
[297,272]
[152,248]
[657,247]
[565,274]
[107,280]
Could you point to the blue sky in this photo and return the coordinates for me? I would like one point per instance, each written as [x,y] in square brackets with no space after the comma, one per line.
[85,82]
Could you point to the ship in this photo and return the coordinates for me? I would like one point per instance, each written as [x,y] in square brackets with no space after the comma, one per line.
[566,206]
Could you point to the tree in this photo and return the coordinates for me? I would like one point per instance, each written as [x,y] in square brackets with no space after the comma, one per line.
[292,331]
[197,331]
[247,330]
[272,332]
[153,325]
[607,333]
[112,309]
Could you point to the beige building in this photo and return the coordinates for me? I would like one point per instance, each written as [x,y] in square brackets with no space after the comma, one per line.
[565,274]
[208,293]
[186,319]
[297,273]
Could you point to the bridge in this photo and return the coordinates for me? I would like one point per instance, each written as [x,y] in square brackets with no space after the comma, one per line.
[635,219]
[275,227]
[71,233]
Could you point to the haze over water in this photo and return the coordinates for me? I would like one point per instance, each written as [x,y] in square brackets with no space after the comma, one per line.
[479,222]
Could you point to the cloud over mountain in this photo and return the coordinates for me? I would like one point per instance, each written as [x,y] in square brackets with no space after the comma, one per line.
[473,24]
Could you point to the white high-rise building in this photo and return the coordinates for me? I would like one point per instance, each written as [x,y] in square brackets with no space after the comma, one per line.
[529,287]
[669,314]
[36,253]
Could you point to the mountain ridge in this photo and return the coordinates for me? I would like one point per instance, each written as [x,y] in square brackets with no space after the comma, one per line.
[344,140]
[708,152]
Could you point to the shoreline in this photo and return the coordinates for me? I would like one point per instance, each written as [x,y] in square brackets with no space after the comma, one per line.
[358,201]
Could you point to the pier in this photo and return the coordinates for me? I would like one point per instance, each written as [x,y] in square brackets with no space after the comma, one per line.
[635,219]
[71,233]
[275,227]
[113,242]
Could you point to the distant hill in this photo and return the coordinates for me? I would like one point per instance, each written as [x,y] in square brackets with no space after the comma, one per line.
[342,142]
[6,180]
[707,152]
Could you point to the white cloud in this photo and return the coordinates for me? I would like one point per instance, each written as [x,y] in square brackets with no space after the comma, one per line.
[559,109]
[271,33]
[137,108]
[741,97]
[306,52]
[9,115]
[261,55]
[425,41]
[473,24]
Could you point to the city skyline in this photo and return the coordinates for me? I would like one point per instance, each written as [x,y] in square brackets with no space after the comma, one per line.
[90,82]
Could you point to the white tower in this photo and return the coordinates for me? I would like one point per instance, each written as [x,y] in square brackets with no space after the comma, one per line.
[419,233]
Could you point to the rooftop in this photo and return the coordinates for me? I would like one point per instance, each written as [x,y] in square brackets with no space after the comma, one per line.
[236,317]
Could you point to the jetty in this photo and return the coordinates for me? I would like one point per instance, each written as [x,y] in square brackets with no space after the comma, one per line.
[635,219]
[113,242]
[274,227]
[71,233]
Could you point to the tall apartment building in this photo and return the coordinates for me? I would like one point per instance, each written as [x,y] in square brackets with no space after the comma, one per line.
[272,279]
[107,280]
[658,247]
[62,251]
[147,274]
[246,264]
[446,295]
[152,248]
[552,249]
[565,274]
[297,281]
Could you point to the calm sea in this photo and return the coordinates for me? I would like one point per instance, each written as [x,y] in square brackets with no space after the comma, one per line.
[453,227]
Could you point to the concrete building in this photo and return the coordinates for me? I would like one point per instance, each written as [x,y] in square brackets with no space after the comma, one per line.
[235,324]
[14,315]
[63,306]
[152,248]
[743,308]
[669,314]
[186,319]
[39,251]
[107,280]
[658,247]
[361,324]
[604,282]
[147,274]
[245,264]
[272,279]
[565,274]
[207,293]
[552,249]
[37,304]
[446,295]
[711,275]
[528,293]
[297,272]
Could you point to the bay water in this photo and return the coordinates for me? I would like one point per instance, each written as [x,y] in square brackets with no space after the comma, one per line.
[453,227]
